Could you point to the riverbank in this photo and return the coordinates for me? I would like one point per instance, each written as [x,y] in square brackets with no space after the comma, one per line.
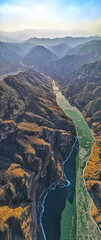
[52,189]
[83,89]
[88,201]
[76,221]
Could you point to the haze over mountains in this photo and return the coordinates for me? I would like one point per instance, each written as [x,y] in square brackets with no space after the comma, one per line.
[71,41]
[60,49]
[92,50]
[9,57]
[13,55]
[30,33]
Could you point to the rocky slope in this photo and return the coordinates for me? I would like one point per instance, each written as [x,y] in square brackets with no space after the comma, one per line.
[84,90]
[35,137]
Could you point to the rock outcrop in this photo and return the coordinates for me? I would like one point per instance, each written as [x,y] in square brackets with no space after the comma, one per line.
[35,137]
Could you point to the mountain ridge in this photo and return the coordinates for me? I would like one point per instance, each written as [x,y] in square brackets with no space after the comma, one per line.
[38,56]
[35,137]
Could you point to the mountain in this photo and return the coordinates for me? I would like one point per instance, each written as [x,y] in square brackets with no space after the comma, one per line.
[12,54]
[9,57]
[87,92]
[64,66]
[38,56]
[49,34]
[25,47]
[91,50]
[78,56]
[83,89]
[71,41]
[35,137]
[5,38]
[60,50]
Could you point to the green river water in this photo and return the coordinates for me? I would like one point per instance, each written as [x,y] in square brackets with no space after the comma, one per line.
[67,211]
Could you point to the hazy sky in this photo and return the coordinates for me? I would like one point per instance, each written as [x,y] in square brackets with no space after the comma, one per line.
[71,15]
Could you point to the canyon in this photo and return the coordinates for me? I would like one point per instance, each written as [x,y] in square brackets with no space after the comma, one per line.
[36,136]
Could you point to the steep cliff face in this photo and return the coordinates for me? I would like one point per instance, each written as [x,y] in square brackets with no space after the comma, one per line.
[92,176]
[35,137]
[86,95]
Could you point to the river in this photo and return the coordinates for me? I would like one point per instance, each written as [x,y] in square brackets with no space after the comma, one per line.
[66,213]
